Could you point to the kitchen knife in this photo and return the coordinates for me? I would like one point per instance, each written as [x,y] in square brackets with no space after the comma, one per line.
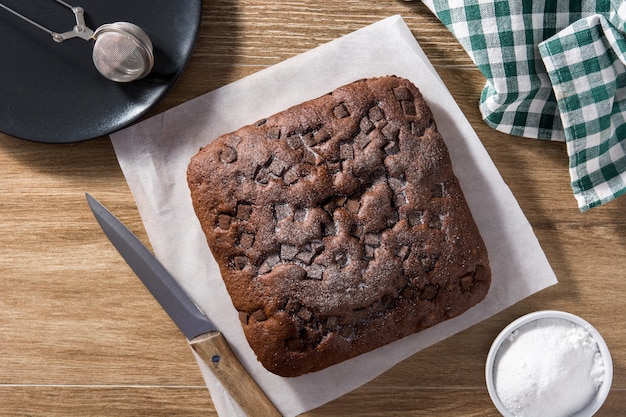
[201,334]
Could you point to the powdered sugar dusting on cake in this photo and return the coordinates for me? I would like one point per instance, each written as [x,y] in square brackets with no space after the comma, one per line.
[339,225]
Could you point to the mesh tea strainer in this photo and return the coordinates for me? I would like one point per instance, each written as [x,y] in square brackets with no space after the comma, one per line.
[122,51]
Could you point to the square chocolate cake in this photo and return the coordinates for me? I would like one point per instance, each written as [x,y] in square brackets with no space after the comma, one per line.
[339,225]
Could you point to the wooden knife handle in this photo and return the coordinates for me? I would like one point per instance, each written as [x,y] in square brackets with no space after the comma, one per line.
[216,353]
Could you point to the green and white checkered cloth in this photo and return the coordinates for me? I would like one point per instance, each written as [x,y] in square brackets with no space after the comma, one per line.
[555,70]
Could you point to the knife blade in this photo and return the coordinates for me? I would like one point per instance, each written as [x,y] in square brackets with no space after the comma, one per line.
[202,335]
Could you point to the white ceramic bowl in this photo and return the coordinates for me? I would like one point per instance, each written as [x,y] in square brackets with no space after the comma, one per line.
[603,391]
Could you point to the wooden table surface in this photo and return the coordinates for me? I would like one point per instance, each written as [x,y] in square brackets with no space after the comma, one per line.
[79,335]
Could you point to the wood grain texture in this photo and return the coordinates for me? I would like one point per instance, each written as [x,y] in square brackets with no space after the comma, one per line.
[78,330]
[217,355]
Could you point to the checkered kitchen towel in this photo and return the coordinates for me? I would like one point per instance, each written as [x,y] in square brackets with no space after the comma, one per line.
[555,70]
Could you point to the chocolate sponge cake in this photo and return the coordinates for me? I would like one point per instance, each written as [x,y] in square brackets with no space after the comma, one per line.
[339,225]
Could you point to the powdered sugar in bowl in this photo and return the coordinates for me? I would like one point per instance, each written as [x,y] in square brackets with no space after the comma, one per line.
[549,363]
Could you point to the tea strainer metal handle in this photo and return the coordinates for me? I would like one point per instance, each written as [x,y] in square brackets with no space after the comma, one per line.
[122,51]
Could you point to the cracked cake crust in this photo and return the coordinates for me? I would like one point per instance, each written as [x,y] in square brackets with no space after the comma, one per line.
[339,226]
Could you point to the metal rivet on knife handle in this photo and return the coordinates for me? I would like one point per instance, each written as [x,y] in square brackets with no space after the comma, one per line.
[217,354]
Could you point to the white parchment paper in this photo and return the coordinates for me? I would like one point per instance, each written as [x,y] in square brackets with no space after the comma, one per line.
[154,155]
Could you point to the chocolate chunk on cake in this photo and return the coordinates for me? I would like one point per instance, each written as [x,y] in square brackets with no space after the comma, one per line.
[339,226]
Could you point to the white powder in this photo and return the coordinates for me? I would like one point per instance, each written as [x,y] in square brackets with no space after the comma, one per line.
[549,367]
